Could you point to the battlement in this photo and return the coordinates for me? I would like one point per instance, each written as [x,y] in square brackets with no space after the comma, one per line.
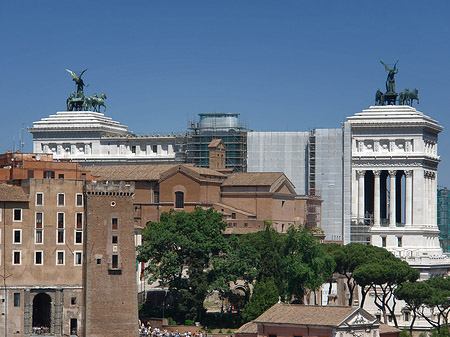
[110,188]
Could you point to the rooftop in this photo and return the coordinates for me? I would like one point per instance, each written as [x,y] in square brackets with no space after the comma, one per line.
[306,314]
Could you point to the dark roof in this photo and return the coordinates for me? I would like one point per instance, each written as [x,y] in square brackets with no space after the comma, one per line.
[12,193]
[305,314]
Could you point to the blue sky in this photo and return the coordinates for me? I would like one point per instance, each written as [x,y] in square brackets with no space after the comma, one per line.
[283,65]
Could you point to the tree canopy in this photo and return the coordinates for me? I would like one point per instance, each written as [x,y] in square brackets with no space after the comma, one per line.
[182,251]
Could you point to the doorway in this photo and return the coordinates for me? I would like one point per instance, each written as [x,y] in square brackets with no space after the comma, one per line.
[42,311]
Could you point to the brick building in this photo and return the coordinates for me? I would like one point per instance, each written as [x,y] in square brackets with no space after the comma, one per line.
[63,243]
[246,200]
[288,320]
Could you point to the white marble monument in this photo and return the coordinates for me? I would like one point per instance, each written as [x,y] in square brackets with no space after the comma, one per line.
[89,137]
[394,189]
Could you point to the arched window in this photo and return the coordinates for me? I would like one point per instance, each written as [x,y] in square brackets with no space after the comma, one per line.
[179,200]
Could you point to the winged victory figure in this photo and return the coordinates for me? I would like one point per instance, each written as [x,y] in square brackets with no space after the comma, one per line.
[79,82]
[390,80]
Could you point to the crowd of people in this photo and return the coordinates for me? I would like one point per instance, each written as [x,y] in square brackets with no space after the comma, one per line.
[145,330]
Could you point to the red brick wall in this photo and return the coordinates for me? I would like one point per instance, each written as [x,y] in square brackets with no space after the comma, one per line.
[111,300]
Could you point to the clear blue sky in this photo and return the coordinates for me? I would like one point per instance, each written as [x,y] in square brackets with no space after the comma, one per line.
[283,65]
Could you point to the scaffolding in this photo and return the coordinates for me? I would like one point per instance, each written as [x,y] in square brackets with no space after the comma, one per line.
[360,230]
[201,134]
[443,217]
[312,162]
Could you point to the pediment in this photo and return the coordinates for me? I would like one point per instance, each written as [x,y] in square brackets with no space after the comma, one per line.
[360,318]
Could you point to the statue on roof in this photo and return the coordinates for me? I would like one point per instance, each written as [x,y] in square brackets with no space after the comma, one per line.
[77,100]
[390,80]
[79,82]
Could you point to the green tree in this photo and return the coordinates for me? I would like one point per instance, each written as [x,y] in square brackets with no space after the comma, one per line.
[306,264]
[352,256]
[265,294]
[414,294]
[258,256]
[384,276]
[182,251]
[438,301]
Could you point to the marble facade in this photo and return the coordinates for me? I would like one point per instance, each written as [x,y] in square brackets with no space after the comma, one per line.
[394,183]
[91,138]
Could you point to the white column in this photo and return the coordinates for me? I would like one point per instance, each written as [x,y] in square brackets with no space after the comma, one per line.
[408,197]
[430,198]
[354,194]
[392,198]
[434,199]
[360,174]
[376,199]
[427,198]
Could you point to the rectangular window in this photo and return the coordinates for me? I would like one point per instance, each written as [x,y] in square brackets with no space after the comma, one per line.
[39,220]
[233,215]
[30,174]
[39,199]
[406,314]
[115,262]
[39,236]
[399,241]
[61,176]
[79,200]
[179,200]
[60,258]
[155,148]
[1,211]
[78,237]
[383,241]
[17,299]
[17,257]
[17,214]
[77,258]
[79,220]
[17,238]
[60,220]
[114,224]
[60,236]
[133,149]
[49,174]
[115,239]
[38,257]
[60,199]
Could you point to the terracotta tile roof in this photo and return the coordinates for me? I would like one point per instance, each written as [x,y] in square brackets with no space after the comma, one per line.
[305,314]
[384,328]
[250,327]
[129,172]
[252,179]
[207,171]
[12,193]
[215,142]
[143,172]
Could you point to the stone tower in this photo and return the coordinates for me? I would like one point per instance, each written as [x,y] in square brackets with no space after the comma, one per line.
[217,154]
[110,266]
[394,189]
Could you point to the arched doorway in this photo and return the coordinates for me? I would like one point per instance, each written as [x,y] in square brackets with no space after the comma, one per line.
[42,310]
